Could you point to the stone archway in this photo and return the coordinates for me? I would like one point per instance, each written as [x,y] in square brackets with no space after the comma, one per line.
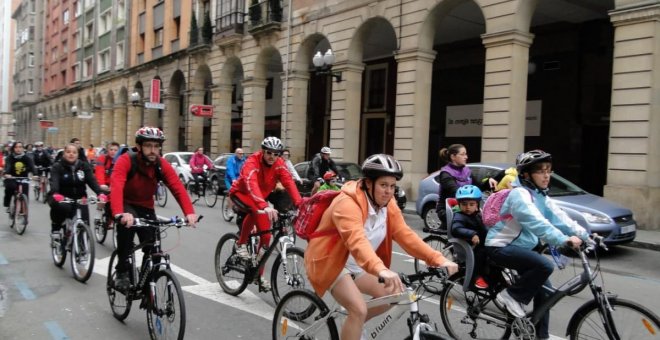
[174,120]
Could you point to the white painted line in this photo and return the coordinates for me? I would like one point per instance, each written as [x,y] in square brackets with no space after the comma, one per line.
[247,301]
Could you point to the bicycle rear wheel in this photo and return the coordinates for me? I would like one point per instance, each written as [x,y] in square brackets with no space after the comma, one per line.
[161,195]
[230,269]
[21,214]
[627,320]
[166,315]
[82,253]
[37,191]
[227,212]
[119,303]
[211,193]
[58,250]
[439,243]
[100,231]
[296,303]
[470,315]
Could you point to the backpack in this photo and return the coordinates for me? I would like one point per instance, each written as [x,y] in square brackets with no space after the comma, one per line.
[132,154]
[310,212]
[490,213]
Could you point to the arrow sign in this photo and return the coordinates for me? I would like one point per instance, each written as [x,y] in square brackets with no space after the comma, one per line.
[201,110]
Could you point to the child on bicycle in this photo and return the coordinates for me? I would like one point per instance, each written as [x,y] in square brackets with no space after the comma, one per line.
[467,225]
[361,224]
[17,164]
[535,217]
[330,181]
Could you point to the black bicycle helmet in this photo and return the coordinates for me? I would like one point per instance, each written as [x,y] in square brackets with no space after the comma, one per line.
[526,159]
[148,133]
[272,144]
[381,165]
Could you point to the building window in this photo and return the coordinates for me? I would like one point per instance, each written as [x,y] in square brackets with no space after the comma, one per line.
[104,61]
[121,11]
[65,17]
[77,37]
[65,47]
[53,54]
[87,68]
[75,69]
[105,22]
[158,37]
[30,59]
[78,6]
[32,6]
[30,86]
[177,28]
[89,33]
[120,54]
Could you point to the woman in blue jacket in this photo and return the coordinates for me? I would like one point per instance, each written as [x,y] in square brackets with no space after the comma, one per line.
[535,217]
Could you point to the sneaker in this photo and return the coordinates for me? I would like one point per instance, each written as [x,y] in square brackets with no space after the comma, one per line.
[264,285]
[122,282]
[480,283]
[242,251]
[512,305]
[55,239]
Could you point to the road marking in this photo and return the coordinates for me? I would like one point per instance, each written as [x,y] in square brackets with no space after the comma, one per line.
[247,301]
[3,260]
[24,289]
[55,330]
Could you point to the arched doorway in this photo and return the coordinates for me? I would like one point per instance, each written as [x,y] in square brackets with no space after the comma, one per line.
[265,116]
[231,111]
[174,122]
[203,84]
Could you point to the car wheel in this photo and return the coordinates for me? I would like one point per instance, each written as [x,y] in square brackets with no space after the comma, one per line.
[430,217]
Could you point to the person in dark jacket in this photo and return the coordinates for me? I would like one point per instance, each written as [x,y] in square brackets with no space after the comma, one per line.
[467,225]
[17,164]
[82,155]
[319,166]
[41,159]
[69,177]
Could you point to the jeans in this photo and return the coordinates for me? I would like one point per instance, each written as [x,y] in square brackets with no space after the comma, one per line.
[534,270]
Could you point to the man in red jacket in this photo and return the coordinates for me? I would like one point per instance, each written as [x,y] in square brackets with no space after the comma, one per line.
[259,175]
[133,197]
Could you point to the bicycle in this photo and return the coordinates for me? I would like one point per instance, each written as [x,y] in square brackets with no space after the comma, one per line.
[18,206]
[477,314]
[41,187]
[227,211]
[75,238]
[204,190]
[161,194]
[153,283]
[104,223]
[288,271]
[301,314]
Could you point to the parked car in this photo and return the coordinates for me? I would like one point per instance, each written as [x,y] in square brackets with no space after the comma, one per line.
[179,161]
[217,173]
[594,213]
[347,172]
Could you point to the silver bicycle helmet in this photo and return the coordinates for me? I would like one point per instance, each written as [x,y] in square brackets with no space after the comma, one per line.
[326,150]
[526,159]
[381,165]
[272,143]
[149,133]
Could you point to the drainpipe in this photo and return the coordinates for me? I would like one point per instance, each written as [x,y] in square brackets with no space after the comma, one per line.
[285,115]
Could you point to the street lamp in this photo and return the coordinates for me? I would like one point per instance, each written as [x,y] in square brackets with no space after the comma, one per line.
[40,116]
[323,64]
[136,99]
[74,110]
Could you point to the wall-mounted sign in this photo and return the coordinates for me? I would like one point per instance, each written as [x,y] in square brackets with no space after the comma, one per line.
[155,91]
[45,124]
[151,105]
[53,129]
[466,120]
[201,110]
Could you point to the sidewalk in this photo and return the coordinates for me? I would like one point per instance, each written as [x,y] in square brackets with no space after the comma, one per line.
[645,239]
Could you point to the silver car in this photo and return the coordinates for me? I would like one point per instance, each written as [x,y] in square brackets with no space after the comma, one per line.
[594,213]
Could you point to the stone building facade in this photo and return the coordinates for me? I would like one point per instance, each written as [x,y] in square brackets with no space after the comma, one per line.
[577,79]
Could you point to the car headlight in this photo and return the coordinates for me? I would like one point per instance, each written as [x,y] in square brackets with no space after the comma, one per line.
[402,193]
[596,218]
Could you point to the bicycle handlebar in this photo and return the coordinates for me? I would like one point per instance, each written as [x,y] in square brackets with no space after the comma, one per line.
[409,279]
[82,201]
[173,221]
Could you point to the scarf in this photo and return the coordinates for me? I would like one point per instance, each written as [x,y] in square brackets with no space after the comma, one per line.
[460,174]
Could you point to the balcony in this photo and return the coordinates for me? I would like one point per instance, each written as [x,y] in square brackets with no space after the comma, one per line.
[200,42]
[265,17]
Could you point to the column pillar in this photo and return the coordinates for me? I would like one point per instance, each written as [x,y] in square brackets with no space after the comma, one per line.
[171,122]
[97,125]
[106,125]
[119,124]
[505,95]
[133,122]
[254,112]
[150,117]
[413,112]
[86,130]
[194,124]
[633,163]
[221,121]
[296,115]
[75,129]
[346,112]
[68,131]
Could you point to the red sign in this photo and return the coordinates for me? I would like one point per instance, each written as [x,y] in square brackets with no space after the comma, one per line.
[155,91]
[201,110]
[45,124]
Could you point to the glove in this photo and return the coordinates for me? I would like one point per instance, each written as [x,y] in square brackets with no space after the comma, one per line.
[58,197]
[103,197]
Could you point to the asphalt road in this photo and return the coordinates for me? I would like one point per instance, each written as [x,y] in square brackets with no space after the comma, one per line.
[41,301]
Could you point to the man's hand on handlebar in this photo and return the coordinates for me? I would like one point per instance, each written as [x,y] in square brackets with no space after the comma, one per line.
[272,213]
[192,220]
[127,219]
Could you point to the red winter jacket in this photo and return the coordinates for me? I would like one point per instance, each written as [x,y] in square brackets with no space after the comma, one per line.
[258,180]
[140,189]
[103,164]
[197,162]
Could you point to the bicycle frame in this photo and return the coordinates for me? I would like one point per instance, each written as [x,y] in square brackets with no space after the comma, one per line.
[70,222]
[284,242]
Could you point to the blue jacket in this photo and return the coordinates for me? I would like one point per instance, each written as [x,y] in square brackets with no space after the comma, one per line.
[465,226]
[233,170]
[533,219]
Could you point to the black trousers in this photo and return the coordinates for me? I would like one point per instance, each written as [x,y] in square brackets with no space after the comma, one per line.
[61,211]
[125,235]
[11,187]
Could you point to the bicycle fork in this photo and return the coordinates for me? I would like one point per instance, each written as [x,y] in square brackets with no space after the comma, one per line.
[285,243]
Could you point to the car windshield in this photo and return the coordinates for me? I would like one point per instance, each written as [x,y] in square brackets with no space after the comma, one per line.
[560,186]
[185,157]
[349,171]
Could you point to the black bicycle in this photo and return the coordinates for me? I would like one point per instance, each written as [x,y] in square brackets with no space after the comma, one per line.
[154,284]
[288,272]
[41,187]
[104,223]
[475,314]
[203,189]
[18,206]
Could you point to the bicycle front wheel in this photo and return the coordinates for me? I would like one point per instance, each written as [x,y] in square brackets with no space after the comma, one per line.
[290,274]
[627,320]
[230,269]
[161,195]
[82,253]
[313,326]
[119,303]
[211,193]
[227,212]
[58,249]
[439,243]
[470,315]
[21,214]
[100,231]
[166,315]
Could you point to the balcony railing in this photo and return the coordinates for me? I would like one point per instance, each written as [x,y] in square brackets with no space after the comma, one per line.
[198,40]
[265,15]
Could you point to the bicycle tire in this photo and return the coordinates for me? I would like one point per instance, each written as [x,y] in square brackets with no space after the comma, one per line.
[44,196]
[166,295]
[119,303]
[21,214]
[37,192]
[302,329]
[114,236]
[100,230]
[465,316]
[629,320]
[439,243]
[82,253]
[230,270]
[161,195]
[295,267]
[58,251]
[227,212]
[211,194]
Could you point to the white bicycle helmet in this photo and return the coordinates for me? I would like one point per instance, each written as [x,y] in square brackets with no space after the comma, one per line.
[146,133]
[381,165]
[326,150]
[272,143]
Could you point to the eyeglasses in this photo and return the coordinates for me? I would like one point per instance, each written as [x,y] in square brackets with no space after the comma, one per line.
[285,154]
[543,172]
[150,146]
[273,153]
